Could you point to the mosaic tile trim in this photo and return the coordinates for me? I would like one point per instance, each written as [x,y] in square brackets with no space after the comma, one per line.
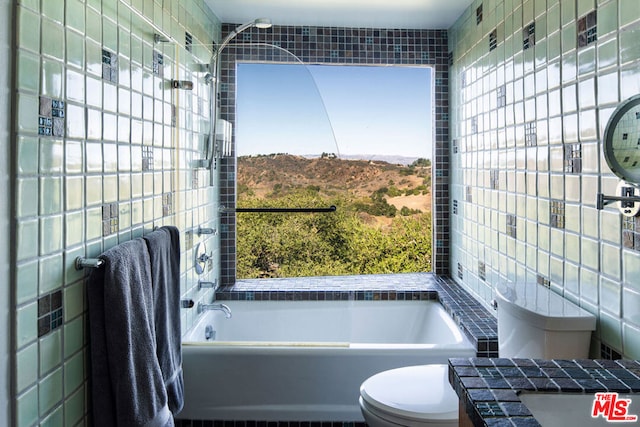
[110,221]
[609,353]
[512,225]
[317,45]
[530,134]
[188,42]
[477,323]
[482,270]
[455,207]
[529,36]
[479,14]
[557,213]
[494,179]
[49,313]
[631,232]
[541,280]
[158,62]
[488,388]
[501,94]
[109,66]
[51,117]
[493,40]
[587,29]
[573,158]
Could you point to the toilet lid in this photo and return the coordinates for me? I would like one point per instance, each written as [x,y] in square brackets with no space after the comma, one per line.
[419,393]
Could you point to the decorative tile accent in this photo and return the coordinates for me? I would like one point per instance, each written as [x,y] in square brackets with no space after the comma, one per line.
[474,124]
[454,146]
[460,272]
[512,225]
[50,312]
[109,66]
[543,281]
[51,118]
[479,14]
[573,158]
[469,194]
[158,62]
[631,232]
[147,158]
[587,29]
[530,134]
[493,39]
[167,204]
[501,95]
[556,213]
[482,270]
[109,219]
[494,179]
[455,207]
[529,36]
[188,42]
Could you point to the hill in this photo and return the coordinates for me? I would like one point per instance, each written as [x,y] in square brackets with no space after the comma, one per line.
[278,174]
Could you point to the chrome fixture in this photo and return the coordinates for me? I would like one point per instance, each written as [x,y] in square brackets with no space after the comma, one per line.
[204,230]
[262,23]
[182,84]
[205,285]
[222,307]
[87,263]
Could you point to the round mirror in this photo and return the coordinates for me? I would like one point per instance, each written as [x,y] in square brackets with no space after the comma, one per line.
[622,141]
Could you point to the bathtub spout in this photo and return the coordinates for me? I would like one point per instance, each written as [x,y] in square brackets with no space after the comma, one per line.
[222,307]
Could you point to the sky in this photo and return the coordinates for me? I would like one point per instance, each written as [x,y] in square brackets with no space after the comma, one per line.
[347,110]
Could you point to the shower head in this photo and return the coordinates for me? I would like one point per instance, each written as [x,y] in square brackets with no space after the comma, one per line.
[262,23]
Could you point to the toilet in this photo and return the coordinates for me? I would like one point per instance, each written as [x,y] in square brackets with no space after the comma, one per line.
[533,322]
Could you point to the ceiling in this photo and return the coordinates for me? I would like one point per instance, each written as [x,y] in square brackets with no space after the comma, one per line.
[405,14]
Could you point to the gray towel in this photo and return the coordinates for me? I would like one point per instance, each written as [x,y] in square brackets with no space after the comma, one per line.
[164,251]
[127,385]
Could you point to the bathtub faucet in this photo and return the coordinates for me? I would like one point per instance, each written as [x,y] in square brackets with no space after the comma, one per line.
[222,307]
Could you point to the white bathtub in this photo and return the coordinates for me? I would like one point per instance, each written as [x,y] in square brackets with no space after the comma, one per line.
[305,360]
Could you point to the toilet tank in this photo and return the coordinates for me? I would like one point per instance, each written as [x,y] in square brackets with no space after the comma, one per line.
[535,322]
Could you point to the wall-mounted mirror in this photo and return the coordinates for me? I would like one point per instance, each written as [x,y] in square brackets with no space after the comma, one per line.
[622,141]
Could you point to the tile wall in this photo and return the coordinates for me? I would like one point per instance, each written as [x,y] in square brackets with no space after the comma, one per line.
[352,46]
[533,83]
[104,151]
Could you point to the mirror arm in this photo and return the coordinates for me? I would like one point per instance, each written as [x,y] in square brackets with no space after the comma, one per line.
[603,200]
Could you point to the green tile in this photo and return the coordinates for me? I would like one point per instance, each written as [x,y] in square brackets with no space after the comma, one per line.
[55,419]
[26,361]
[26,281]
[93,25]
[27,205]
[73,373]
[608,53]
[26,324]
[74,186]
[569,38]
[50,274]
[629,12]
[75,49]
[27,117]
[109,35]
[27,239]
[53,10]
[76,122]
[27,408]
[50,391]
[50,195]
[568,12]
[51,156]
[53,42]
[73,301]
[629,46]
[51,234]
[74,228]
[585,6]
[631,341]
[610,329]
[28,71]
[75,15]
[73,336]
[28,148]
[74,408]
[28,30]
[52,78]
[607,19]
[50,352]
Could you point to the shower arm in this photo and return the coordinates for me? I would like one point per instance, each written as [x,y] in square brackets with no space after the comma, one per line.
[213,92]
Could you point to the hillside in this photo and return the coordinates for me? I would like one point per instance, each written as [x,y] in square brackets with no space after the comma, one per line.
[275,175]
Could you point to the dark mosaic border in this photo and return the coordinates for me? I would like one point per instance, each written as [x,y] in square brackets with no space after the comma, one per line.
[478,324]
[351,46]
[488,388]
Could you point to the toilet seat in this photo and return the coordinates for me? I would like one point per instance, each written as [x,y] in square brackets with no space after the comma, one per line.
[412,395]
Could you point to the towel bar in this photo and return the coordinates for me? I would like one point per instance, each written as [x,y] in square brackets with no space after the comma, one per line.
[82,262]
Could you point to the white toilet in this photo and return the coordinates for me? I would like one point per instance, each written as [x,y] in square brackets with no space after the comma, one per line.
[533,322]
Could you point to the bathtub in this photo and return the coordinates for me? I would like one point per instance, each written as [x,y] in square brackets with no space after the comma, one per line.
[305,360]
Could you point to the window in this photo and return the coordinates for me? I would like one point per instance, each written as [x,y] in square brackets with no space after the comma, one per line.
[357,137]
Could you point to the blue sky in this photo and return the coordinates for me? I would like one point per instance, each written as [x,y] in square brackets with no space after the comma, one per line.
[371,110]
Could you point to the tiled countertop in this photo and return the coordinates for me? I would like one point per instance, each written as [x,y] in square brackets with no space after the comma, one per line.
[488,388]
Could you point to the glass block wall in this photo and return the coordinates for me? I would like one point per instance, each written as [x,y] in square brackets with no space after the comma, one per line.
[352,46]
[104,150]
[532,84]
